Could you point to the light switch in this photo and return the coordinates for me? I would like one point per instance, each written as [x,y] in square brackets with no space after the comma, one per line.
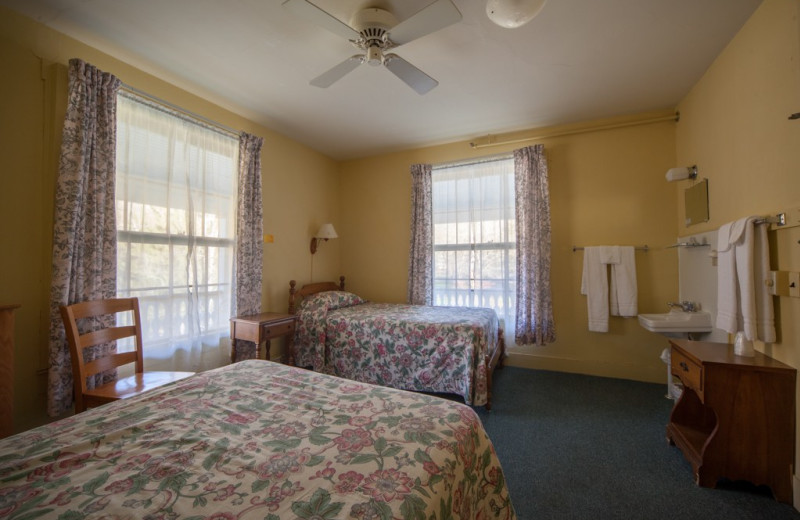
[794,285]
[784,283]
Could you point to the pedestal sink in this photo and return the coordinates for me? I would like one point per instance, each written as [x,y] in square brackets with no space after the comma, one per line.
[676,321]
[675,324]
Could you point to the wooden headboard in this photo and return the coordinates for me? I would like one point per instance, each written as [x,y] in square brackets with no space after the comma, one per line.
[295,295]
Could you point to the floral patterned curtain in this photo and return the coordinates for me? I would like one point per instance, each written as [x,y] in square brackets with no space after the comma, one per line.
[534,299]
[84,228]
[420,264]
[249,236]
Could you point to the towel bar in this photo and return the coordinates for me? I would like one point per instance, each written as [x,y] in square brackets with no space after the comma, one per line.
[779,219]
[644,248]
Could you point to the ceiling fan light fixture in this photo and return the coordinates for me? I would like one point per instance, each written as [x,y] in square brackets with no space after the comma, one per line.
[513,13]
[374,31]
[374,56]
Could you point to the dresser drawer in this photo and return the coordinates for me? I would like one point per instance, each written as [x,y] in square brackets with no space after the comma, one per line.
[274,330]
[690,373]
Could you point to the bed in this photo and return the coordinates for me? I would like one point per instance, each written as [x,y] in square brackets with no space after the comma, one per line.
[442,350]
[258,439]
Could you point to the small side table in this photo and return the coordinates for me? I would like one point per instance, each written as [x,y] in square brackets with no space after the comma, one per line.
[262,328]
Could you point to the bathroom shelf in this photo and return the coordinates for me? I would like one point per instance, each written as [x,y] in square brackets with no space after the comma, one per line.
[692,242]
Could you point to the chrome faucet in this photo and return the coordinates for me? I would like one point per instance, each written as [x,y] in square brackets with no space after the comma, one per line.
[685,305]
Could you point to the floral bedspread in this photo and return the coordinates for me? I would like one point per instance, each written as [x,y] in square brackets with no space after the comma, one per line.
[258,440]
[411,347]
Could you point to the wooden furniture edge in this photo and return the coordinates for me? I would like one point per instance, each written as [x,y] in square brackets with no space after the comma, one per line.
[494,360]
[7,369]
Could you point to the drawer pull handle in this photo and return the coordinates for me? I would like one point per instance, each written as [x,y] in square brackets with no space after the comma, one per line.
[684,366]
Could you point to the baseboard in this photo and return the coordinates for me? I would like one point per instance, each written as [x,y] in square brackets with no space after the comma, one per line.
[647,374]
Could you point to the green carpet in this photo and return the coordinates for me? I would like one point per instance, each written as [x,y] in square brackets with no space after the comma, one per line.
[575,446]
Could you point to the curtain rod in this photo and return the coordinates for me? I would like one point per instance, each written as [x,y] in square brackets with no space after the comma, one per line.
[644,248]
[182,111]
[674,117]
[476,160]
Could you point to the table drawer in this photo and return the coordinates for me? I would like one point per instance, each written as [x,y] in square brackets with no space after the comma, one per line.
[278,329]
[690,373]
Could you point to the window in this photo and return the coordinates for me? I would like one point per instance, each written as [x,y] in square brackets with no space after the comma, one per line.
[474,247]
[175,203]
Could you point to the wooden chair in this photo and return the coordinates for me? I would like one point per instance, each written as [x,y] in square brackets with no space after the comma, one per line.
[121,388]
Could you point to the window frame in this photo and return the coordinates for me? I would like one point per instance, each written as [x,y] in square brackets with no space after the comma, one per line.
[509,247]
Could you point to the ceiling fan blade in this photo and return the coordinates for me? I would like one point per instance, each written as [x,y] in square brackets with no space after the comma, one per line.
[409,74]
[326,79]
[437,15]
[312,13]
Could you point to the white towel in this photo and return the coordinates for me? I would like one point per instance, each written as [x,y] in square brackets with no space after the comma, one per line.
[727,291]
[765,313]
[594,284]
[743,302]
[742,244]
[624,301]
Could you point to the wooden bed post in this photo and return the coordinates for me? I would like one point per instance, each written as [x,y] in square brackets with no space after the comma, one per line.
[292,291]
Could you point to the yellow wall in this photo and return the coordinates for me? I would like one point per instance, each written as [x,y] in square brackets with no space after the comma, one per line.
[606,187]
[300,187]
[734,126]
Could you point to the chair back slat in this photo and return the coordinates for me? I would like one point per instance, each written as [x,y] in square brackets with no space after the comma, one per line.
[98,337]
[100,307]
[108,363]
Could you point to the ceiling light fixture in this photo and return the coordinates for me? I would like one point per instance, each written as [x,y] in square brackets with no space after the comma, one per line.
[513,13]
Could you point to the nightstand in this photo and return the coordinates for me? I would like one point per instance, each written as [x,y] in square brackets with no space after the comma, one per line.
[260,328]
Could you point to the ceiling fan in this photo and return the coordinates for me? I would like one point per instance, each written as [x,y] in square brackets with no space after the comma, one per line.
[375,31]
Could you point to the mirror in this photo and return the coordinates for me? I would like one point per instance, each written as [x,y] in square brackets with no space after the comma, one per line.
[696,203]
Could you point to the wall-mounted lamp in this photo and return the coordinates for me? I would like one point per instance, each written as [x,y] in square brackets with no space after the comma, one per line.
[513,13]
[325,232]
[685,172]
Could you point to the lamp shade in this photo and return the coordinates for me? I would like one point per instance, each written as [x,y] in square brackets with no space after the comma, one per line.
[326,231]
[513,13]
[680,173]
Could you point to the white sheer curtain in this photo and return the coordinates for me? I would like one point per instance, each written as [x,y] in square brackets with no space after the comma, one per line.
[474,236]
[176,201]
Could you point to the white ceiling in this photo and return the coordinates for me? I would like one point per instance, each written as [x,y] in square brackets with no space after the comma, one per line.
[577,60]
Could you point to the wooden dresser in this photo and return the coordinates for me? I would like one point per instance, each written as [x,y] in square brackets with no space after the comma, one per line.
[7,369]
[736,416]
